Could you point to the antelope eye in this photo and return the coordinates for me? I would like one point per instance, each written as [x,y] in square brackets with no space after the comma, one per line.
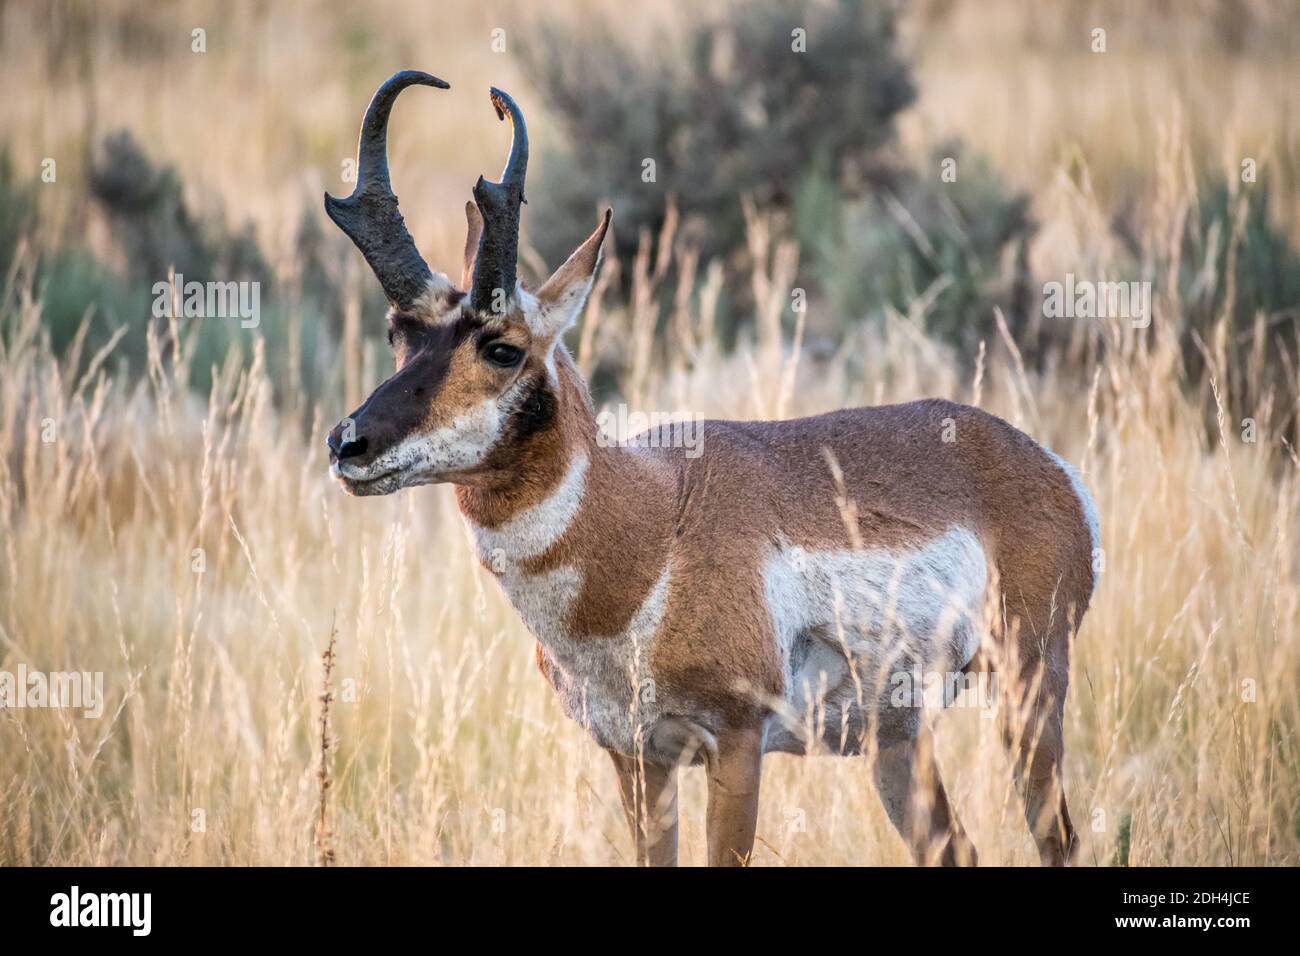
[503,355]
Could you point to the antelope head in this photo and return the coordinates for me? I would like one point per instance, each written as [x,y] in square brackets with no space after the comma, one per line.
[475,376]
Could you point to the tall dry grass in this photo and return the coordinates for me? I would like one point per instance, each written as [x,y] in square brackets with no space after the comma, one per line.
[192,548]
[195,551]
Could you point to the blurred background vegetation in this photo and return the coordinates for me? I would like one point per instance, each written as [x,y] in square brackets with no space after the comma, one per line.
[212,162]
[125,155]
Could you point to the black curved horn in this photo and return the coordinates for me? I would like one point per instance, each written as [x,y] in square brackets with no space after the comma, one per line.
[369,217]
[497,262]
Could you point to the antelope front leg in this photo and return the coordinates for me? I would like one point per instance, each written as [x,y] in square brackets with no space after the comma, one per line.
[734,774]
[649,795]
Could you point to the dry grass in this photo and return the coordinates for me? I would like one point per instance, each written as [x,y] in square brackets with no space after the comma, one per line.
[193,549]
[1019,80]
[449,746]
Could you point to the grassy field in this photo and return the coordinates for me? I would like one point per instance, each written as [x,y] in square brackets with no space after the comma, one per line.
[191,547]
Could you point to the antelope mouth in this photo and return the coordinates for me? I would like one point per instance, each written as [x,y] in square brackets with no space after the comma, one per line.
[361,486]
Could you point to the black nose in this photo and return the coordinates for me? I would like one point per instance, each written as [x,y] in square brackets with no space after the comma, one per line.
[345,449]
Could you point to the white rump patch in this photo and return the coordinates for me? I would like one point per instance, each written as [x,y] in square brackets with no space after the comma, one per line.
[1089,509]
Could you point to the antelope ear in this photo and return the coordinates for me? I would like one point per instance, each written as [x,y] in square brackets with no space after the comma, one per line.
[474,224]
[562,296]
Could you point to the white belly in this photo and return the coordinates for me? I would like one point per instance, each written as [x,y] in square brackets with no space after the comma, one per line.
[857,631]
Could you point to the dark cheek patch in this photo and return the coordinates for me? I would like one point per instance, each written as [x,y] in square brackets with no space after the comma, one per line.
[536,413]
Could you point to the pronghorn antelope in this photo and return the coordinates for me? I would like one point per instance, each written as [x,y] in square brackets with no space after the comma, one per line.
[761,595]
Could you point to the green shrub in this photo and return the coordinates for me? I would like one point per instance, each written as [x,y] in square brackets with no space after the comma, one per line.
[730,109]
[17,207]
[1266,277]
[1258,279]
[890,248]
[155,231]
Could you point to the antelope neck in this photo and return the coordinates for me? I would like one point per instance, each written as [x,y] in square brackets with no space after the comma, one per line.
[559,474]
